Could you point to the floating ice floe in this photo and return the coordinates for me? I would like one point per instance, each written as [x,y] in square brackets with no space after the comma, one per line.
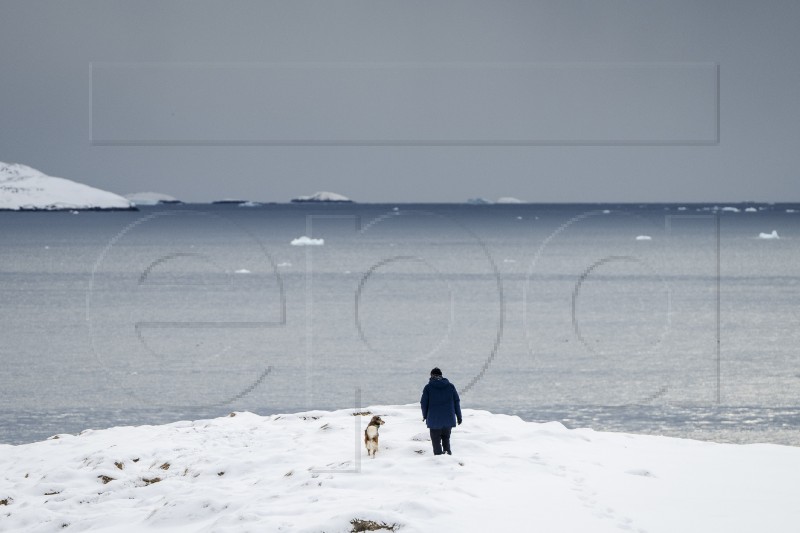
[250,204]
[791,210]
[307,241]
[606,211]
[682,208]
[644,238]
[773,235]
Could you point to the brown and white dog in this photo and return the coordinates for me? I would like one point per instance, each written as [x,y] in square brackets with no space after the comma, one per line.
[371,435]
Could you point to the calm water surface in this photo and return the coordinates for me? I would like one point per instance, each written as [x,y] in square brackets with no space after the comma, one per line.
[550,312]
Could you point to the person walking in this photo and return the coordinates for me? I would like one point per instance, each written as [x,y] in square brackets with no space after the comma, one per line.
[441,410]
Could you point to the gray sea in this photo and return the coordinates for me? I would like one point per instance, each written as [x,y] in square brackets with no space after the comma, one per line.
[661,319]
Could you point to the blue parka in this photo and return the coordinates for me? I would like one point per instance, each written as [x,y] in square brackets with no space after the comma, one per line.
[440,404]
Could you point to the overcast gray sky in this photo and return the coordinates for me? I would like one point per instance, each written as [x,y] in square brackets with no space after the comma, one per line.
[548,101]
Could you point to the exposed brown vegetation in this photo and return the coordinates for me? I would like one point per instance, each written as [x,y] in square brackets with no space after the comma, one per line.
[360,525]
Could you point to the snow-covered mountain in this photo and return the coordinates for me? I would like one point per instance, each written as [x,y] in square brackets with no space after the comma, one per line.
[25,188]
[309,472]
[322,197]
[151,198]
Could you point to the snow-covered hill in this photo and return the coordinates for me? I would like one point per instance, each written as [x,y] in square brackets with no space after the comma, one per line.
[322,197]
[308,472]
[25,188]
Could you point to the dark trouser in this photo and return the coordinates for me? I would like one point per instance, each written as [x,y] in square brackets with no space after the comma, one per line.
[441,440]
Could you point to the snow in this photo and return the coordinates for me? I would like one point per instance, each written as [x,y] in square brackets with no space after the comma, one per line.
[644,238]
[151,198]
[308,472]
[322,196]
[773,235]
[25,188]
[509,200]
[307,241]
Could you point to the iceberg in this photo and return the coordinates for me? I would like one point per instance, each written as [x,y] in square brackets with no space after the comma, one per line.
[309,471]
[151,198]
[751,210]
[509,200]
[307,241]
[479,201]
[730,209]
[773,235]
[23,188]
[322,197]
[644,238]
[228,201]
